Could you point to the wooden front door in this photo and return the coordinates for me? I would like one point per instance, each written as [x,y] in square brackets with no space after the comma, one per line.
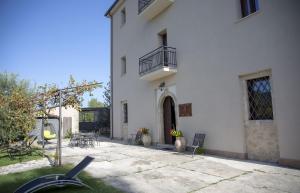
[169,119]
[67,125]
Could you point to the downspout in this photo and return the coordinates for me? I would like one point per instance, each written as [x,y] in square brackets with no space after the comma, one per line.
[111,80]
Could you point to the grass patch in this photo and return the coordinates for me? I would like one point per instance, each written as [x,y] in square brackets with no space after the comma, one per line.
[10,182]
[5,159]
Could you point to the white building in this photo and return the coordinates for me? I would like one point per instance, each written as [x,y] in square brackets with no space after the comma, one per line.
[229,69]
[70,119]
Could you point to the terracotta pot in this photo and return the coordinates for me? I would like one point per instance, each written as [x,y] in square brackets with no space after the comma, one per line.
[180,144]
[146,140]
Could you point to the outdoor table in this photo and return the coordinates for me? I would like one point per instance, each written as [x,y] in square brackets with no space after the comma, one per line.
[83,140]
[87,139]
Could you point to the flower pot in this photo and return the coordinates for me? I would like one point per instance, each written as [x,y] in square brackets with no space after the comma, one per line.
[146,140]
[180,144]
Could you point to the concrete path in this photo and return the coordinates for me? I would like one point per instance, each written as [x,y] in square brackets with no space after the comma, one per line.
[139,169]
[148,170]
[24,166]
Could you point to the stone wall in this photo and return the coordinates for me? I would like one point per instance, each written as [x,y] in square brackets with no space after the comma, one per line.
[262,141]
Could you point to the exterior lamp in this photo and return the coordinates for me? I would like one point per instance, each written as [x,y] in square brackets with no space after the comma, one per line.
[162,86]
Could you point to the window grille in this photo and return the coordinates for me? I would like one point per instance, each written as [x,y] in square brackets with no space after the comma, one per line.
[123,67]
[260,99]
[125,113]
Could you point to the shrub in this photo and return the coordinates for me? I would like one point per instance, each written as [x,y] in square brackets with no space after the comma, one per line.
[68,134]
[200,150]
[144,131]
[176,133]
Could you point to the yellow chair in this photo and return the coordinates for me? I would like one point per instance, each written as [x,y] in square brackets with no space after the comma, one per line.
[48,135]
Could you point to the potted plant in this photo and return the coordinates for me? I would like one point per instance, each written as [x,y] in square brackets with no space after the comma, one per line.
[180,143]
[146,138]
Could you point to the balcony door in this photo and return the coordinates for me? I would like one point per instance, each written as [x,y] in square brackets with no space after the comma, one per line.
[164,40]
[164,43]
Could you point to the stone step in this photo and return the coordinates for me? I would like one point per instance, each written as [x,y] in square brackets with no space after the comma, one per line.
[165,146]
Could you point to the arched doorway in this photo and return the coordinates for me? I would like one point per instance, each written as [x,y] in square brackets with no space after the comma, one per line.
[169,121]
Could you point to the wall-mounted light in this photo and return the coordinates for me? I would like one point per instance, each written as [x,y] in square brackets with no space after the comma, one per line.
[162,86]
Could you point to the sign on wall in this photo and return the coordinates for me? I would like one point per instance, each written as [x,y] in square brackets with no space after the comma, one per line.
[185,110]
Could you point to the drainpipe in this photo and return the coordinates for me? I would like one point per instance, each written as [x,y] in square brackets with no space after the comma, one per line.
[111,80]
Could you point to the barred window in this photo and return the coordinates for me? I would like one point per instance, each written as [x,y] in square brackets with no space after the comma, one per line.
[260,99]
[123,65]
[125,113]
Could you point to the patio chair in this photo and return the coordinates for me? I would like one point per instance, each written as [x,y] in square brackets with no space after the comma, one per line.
[23,148]
[75,140]
[138,137]
[198,141]
[58,180]
[97,138]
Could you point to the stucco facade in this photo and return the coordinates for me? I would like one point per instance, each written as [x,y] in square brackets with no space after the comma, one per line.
[69,115]
[216,52]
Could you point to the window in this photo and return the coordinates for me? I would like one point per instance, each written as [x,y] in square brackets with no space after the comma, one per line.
[123,65]
[125,112]
[248,7]
[86,117]
[260,99]
[123,17]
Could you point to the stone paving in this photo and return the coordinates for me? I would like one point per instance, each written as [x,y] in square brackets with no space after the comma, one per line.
[148,170]
[138,169]
[25,166]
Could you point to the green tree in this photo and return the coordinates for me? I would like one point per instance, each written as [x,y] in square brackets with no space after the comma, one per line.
[95,103]
[16,108]
[47,96]
[107,95]
[20,104]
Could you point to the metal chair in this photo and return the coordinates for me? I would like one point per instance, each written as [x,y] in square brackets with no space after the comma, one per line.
[198,141]
[98,138]
[74,141]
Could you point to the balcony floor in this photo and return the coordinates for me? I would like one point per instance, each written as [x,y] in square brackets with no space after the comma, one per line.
[159,73]
[155,8]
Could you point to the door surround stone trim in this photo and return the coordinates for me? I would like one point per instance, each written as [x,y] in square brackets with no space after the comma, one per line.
[162,97]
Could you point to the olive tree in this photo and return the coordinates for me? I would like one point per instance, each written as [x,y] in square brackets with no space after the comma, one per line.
[16,108]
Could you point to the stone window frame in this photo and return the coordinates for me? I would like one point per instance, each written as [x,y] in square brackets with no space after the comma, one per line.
[245,98]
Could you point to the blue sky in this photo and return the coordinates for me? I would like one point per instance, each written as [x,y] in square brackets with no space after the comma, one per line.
[46,41]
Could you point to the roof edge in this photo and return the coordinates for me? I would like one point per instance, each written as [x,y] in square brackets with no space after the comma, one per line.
[108,12]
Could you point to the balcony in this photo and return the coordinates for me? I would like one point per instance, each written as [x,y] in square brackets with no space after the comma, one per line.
[157,64]
[151,8]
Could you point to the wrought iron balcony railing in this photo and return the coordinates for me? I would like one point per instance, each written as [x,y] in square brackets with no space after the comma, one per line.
[143,4]
[159,58]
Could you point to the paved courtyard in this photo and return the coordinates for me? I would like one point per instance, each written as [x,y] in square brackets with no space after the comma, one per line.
[138,169]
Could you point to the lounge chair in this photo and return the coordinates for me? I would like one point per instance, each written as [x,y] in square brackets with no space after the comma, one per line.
[58,180]
[198,141]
